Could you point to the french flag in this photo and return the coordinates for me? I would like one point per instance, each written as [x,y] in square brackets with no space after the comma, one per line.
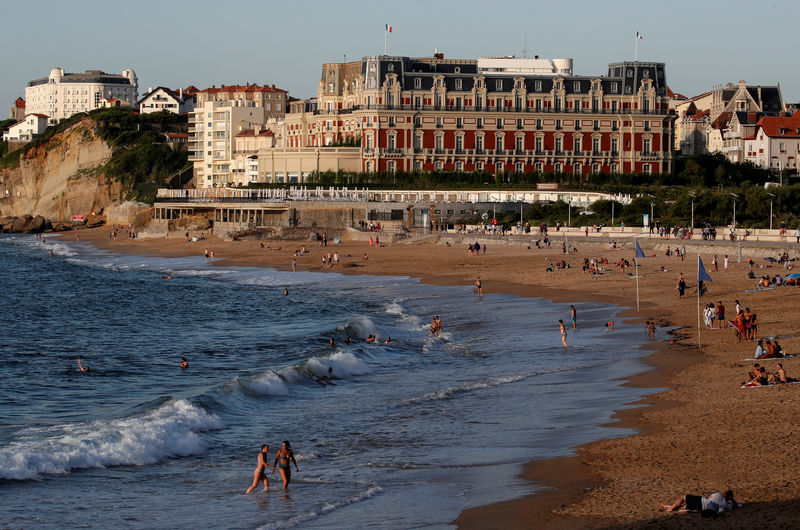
[639,35]
[388,28]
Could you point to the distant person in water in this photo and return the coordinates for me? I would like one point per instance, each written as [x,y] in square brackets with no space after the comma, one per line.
[325,380]
[331,343]
[285,291]
[82,367]
[184,363]
[371,338]
[260,473]
[388,340]
[610,326]
[479,285]
[348,340]
[573,316]
[282,459]
[563,333]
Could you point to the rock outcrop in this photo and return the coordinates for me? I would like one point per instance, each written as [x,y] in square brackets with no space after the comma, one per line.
[60,178]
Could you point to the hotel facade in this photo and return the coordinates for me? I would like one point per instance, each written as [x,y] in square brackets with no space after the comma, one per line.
[497,115]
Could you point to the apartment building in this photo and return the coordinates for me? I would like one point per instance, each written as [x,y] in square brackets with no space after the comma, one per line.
[500,115]
[60,95]
[222,114]
[160,99]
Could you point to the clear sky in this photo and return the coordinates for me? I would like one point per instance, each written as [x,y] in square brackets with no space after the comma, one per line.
[175,44]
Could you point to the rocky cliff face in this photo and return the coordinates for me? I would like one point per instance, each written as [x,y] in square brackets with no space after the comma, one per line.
[60,178]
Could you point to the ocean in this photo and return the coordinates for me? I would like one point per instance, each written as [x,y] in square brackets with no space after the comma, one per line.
[411,433]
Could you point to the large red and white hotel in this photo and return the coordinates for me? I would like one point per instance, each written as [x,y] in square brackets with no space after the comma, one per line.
[495,114]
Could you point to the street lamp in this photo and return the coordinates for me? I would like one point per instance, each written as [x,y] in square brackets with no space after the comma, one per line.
[734,209]
[771,197]
[569,211]
[692,195]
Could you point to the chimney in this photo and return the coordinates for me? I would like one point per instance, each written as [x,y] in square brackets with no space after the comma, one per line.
[273,86]
[180,94]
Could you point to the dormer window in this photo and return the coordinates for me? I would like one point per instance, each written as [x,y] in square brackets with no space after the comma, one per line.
[537,86]
[458,84]
[417,82]
[390,67]
[576,86]
[498,85]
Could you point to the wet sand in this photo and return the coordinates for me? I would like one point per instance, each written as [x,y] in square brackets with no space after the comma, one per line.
[700,435]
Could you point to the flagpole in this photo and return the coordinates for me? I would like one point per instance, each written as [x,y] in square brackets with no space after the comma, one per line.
[698,300]
[636,263]
[384,41]
[636,47]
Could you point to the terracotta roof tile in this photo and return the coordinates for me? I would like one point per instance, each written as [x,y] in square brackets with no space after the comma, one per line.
[779,127]
[19,103]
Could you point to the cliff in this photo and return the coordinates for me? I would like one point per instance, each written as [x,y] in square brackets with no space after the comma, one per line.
[89,162]
[60,177]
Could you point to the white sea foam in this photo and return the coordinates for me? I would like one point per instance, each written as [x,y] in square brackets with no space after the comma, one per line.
[344,363]
[361,327]
[168,431]
[267,384]
[325,508]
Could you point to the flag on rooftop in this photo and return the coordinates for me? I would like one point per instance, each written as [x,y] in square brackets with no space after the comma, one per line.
[702,275]
[639,35]
[388,28]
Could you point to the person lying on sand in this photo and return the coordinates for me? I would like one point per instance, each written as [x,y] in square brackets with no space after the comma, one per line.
[695,503]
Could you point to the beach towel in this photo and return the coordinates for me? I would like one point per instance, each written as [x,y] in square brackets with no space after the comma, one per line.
[748,385]
[789,356]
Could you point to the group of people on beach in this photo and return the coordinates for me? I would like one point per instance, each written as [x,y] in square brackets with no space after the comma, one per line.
[283,458]
[760,377]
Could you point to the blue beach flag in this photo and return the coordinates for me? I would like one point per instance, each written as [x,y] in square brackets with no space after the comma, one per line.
[702,275]
[639,253]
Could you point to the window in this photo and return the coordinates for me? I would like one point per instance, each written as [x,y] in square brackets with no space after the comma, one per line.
[391,166]
[480,123]
[596,125]
[439,143]
[417,82]
[557,167]
[518,167]
[459,84]
[595,146]
[417,142]
[577,125]
[615,168]
[576,144]
[391,121]
[499,123]
[330,88]
[498,85]
[559,145]
[519,123]
[438,166]
[417,165]
[459,143]
[417,121]
[576,169]
[459,168]
[537,86]
[439,122]
[646,146]
[479,103]
[520,144]
[539,124]
[538,104]
[539,142]
[539,167]
[614,88]
[614,126]
[499,144]
[576,86]
[478,166]
[557,104]
[614,106]
[558,125]
[646,125]
[479,144]
[647,169]
[391,142]
[459,122]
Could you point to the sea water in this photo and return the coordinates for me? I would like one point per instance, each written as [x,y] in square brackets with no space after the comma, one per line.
[412,433]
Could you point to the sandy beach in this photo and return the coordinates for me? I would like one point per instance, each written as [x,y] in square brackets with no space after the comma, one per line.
[702,434]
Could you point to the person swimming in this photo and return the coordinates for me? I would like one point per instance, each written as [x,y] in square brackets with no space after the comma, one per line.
[371,338]
[184,363]
[282,459]
[388,340]
[285,291]
[82,367]
[610,326]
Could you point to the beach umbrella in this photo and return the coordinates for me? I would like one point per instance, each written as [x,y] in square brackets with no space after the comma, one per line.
[793,276]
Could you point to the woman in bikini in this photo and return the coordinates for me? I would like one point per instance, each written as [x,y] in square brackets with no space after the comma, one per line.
[260,473]
[285,454]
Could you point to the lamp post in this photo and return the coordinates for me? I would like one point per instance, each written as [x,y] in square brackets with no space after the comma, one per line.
[692,195]
[569,211]
[734,209]
[771,198]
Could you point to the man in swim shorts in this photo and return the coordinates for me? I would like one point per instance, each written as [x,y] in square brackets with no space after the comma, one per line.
[573,316]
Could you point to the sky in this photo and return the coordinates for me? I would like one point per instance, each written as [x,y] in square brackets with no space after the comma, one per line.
[203,43]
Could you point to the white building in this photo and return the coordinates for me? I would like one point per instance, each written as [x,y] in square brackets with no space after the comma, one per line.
[775,144]
[524,66]
[60,95]
[245,153]
[26,130]
[212,129]
[164,99]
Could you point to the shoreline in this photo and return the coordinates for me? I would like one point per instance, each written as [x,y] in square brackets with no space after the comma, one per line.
[592,487]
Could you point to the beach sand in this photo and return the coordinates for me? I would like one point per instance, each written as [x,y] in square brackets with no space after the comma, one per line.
[700,435]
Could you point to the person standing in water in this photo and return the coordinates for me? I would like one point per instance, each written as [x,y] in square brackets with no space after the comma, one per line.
[563,332]
[260,473]
[573,316]
[285,454]
[479,285]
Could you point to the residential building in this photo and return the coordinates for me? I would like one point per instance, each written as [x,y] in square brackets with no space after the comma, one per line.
[220,115]
[181,101]
[775,145]
[703,120]
[245,153]
[17,111]
[26,130]
[60,95]
[111,103]
[387,113]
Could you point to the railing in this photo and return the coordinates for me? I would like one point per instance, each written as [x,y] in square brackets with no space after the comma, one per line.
[468,108]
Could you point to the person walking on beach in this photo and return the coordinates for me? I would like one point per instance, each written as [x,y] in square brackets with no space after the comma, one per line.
[260,473]
[479,285]
[285,454]
[563,333]
[573,316]
[725,263]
